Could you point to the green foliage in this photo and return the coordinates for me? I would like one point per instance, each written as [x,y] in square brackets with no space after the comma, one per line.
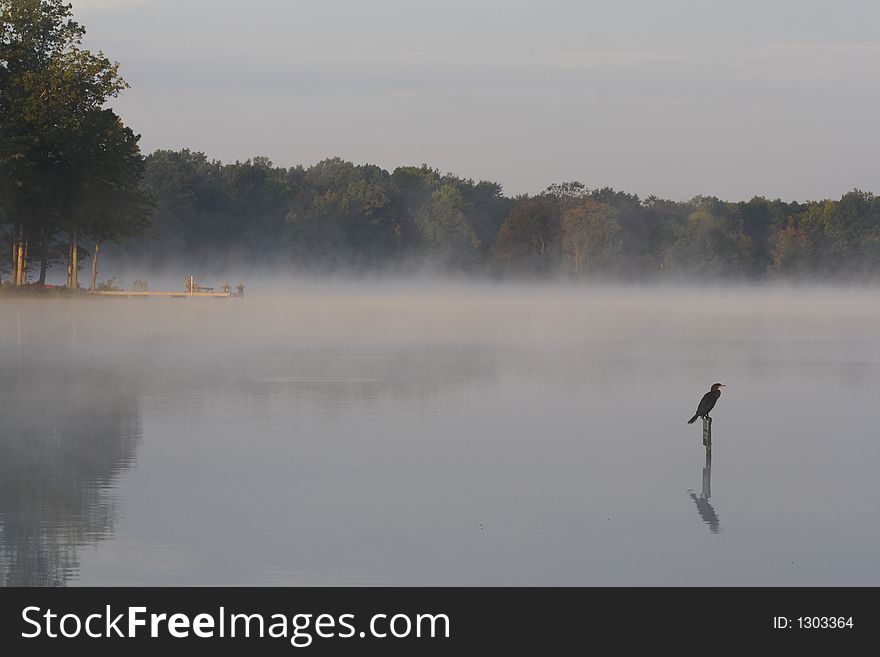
[443,228]
[711,244]
[332,214]
[112,204]
[831,238]
[70,167]
[794,250]
[591,237]
[67,164]
[343,214]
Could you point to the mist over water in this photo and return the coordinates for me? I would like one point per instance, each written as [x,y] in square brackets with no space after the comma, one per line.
[408,433]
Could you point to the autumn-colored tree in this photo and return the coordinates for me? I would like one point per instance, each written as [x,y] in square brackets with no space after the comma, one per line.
[528,240]
[591,237]
[793,250]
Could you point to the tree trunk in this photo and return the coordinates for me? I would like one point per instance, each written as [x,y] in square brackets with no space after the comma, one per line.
[14,272]
[72,266]
[75,268]
[43,251]
[15,262]
[24,256]
[17,254]
[94,280]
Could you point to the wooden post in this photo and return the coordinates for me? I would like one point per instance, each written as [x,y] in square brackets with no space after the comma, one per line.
[707,432]
[707,472]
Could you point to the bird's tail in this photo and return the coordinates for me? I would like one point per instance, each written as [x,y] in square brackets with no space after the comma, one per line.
[693,419]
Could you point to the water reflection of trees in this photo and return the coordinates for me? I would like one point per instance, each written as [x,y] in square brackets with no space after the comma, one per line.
[65,437]
[329,380]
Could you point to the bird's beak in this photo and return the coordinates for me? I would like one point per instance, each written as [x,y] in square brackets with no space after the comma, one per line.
[723,386]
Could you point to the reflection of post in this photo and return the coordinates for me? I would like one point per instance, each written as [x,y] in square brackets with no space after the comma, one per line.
[707,472]
[704,507]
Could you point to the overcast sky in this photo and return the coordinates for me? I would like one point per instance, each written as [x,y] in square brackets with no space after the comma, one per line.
[779,98]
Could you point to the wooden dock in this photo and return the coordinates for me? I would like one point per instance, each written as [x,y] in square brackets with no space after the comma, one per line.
[190,290]
[181,294]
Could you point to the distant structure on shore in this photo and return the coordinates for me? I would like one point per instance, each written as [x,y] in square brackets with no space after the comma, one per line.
[140,288]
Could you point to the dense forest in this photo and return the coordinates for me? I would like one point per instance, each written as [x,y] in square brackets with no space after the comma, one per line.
[73,179]
[336,214]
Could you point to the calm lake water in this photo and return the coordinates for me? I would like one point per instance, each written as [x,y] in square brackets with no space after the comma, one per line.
[378,434]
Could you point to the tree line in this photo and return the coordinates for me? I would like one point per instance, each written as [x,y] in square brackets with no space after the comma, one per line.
[336,214]
[72,178]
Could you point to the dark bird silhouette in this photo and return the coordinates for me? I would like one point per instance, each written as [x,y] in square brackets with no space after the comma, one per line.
[707,403]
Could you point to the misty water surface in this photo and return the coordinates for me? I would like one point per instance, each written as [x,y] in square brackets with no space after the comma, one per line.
[411,434]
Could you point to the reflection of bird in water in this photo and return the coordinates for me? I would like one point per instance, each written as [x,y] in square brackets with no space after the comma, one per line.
[707,403]
[706,511]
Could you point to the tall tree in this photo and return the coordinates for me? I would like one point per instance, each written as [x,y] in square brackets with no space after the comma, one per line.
[528,240]
[49,88]
[711,244]
[113,204]
[33,34]
[444,230]
[344,215]
[591,237]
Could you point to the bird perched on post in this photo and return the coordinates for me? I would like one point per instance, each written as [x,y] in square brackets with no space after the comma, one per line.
[707,403]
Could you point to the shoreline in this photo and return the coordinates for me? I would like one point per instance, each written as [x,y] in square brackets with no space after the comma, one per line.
[34,290]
